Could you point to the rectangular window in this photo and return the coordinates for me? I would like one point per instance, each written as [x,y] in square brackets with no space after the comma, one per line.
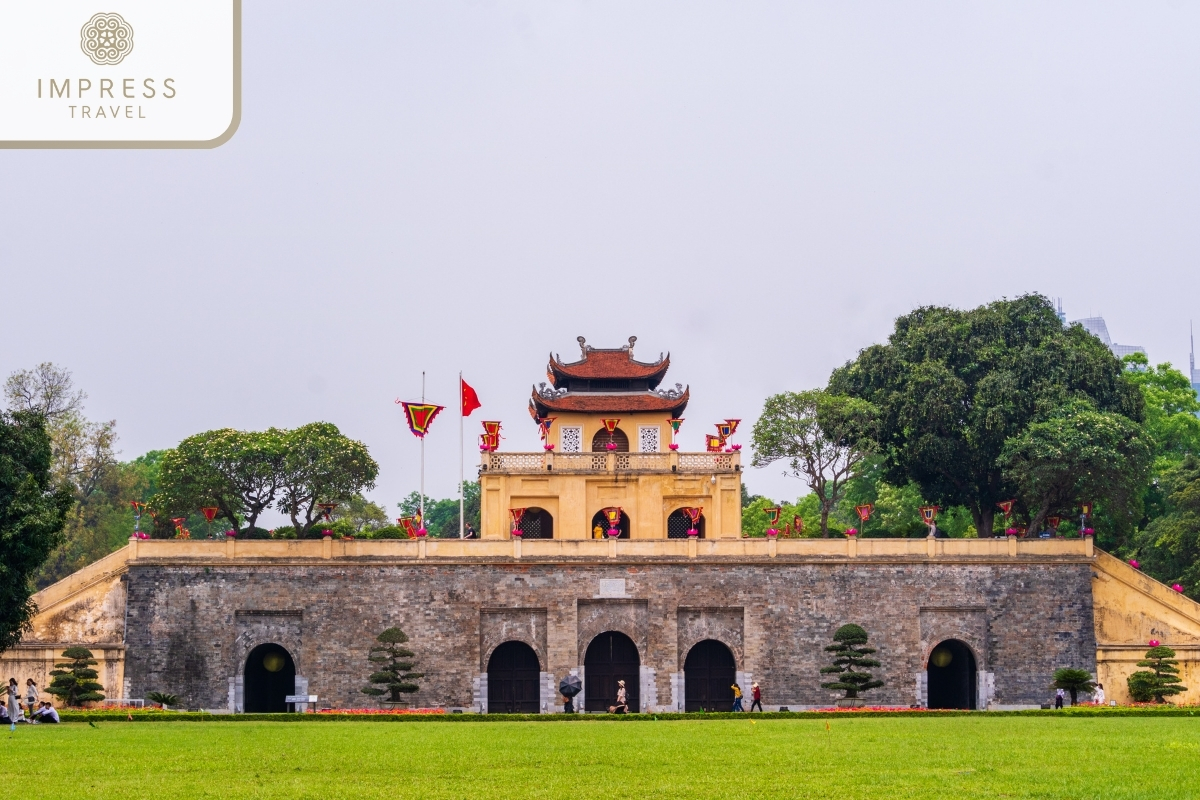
[570,439]
[648,438]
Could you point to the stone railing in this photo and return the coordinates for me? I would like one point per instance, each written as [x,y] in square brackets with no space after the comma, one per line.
[706,463]
[587,549]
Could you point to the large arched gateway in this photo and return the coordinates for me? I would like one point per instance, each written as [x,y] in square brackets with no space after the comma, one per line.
[270,678]
[952,676]
[611,657]
[708,676]
[513,672]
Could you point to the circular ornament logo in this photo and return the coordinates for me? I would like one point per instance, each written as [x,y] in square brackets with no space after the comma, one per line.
[106,39]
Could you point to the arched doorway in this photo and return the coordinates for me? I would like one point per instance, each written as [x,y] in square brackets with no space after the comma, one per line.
[600,521]
[611,657]
[601,439]
[270,677]
[536,523]
[952,677]
[513,676]
[708,676]
[678,525]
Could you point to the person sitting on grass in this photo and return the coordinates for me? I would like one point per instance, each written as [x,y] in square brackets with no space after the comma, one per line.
[622,706]
[46,714]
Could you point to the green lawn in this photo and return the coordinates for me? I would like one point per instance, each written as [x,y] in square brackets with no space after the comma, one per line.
[891,757]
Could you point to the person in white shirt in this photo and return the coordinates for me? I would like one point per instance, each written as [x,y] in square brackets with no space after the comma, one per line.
[47,713]
[1099,694]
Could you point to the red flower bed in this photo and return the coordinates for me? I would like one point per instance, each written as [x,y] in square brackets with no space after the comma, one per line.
[889,709]
[367,711]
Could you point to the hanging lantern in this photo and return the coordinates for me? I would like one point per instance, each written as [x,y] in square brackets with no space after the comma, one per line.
[693,515]
[327,510]
[209,512]
[772,520]
[1054,522]
[410,530]
[864,511]
[1085,509]
[929,514]
[516,513]
[1006,507]
[712,443]
[613,515]
[674,423]
[797,525]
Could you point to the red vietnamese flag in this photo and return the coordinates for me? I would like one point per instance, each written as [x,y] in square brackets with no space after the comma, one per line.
[470,400]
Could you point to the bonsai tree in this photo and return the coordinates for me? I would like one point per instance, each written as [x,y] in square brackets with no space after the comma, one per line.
[850,660]
[394,665]
[1073,681]
[74,681]
[1160,680]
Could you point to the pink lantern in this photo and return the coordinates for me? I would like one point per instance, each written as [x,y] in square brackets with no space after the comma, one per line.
[422,532]
[1154,642]
[1177,588]
[1088,532]
[772,532]
[231,533]
[1010,532]
[851,531]
[325,532]
[1133,562]
[673,446]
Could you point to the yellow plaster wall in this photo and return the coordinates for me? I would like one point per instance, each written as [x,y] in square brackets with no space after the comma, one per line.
[647,498]
[1130,609]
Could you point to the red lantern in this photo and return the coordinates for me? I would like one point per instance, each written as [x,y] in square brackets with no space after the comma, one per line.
[517,513]
[864,511]
[209,512]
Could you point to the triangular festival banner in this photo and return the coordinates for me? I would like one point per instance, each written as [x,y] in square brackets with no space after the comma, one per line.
[419,416]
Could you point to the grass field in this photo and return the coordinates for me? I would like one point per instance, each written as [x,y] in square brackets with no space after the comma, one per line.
[892,757]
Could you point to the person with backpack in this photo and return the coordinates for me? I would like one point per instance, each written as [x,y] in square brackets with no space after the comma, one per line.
[737,698]
[756,695]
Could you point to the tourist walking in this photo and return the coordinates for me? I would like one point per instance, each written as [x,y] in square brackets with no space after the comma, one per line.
[31,695]
[737,698]
[1058,698]
[622,706]
[13,702]
[1099,694]
[756,696]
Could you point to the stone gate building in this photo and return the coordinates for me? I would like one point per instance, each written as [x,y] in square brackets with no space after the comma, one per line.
[497,622]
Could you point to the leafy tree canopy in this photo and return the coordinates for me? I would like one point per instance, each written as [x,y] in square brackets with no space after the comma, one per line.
[1077,454]
[1160,678]
[1073,681]
[33,510]
[952,387]
[851,660]
[822,437]
[74,680]
[393,661]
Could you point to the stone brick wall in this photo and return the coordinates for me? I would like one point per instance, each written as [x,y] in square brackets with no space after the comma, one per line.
[190,628]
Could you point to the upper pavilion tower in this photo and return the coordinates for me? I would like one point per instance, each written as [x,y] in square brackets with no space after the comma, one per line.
[609,446]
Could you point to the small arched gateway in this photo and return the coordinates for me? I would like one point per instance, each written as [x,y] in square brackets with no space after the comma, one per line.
[536,523]
[678,525]
[602,438]
[611,657]
[708,676]
[952,676]
[270,677]
[600,521]
[513,672]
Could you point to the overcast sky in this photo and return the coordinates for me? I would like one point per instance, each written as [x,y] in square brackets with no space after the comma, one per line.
[759,189]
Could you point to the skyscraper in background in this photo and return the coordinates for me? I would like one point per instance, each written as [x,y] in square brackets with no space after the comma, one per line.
[1193,375]
[1097,327]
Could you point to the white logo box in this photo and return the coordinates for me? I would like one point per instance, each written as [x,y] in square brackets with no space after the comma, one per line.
[177,85]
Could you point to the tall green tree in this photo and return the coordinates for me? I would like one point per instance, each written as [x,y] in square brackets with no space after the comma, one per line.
[1171,407]
[321,465]
[238,472]
[822,437]
[33,510]
[952,387]
[1169,546]
[1076,454]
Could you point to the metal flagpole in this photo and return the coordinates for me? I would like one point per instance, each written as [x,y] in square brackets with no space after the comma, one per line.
[422,456]
[461,522]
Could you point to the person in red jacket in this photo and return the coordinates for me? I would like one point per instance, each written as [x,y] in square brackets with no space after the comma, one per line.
[756,695]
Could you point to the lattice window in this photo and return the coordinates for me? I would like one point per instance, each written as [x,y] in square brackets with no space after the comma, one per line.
[648,438]
[570,439]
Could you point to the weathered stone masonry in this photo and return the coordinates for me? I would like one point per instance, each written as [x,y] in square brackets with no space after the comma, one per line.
[190,627]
